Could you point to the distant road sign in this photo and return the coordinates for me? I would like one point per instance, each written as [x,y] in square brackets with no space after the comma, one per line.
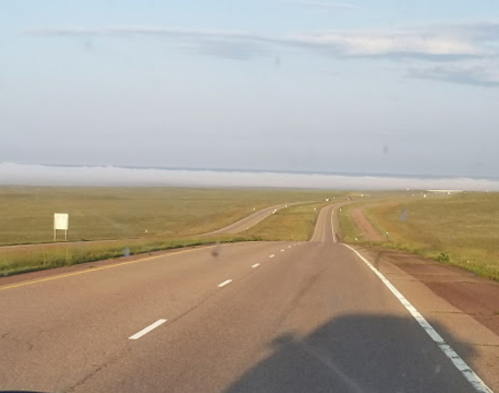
[61,221]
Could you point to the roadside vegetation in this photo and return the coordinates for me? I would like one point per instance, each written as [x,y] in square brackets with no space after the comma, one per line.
[296,223]
[292,223]
[349,229]
[26,213]
[460,230]
[349,232]
[23,260]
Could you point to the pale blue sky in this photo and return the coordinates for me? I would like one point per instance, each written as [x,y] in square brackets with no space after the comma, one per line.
[365,86]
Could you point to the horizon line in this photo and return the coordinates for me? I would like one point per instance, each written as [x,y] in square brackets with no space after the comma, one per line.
[283,171]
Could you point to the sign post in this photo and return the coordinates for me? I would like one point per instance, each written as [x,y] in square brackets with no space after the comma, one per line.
[61,223]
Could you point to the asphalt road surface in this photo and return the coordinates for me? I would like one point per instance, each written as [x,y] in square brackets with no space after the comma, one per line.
[251,317]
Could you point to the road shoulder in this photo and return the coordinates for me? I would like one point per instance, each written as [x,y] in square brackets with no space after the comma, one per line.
[465,305]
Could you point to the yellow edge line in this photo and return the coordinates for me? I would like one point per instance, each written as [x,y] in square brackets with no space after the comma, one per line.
[22,284]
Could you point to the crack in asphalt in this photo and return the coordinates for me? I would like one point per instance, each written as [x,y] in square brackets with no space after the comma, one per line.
[92,373]
[128,349]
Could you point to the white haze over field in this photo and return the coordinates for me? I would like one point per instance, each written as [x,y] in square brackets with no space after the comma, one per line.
[109,176]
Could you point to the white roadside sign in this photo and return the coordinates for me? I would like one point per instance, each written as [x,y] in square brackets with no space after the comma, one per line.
[61,223]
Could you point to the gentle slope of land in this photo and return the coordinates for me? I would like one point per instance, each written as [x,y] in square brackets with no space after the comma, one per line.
[294,222]
[462,229]
[26,213]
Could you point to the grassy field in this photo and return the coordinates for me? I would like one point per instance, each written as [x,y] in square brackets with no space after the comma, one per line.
[293,223]
[16,261]
[26,213]
[461,230]
[348,230]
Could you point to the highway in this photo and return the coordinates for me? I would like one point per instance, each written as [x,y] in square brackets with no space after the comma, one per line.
[247,317]
[249,221]
[236,227]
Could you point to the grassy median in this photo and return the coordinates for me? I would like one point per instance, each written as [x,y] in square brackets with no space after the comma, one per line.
[348,230]
[294,223]
[461,230]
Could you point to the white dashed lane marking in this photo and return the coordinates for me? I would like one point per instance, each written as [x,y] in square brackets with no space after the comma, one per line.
[143,332]
[226,282]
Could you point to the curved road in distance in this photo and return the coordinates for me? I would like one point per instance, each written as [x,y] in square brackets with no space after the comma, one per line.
[279,317]
[236,227]
[251,220]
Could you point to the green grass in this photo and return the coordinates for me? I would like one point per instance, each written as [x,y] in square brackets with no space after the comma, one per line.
[462,230]
[26,213]
[348,230]
[17,261]
[293,223]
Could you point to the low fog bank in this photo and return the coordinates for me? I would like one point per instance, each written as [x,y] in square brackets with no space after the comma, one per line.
[41,175]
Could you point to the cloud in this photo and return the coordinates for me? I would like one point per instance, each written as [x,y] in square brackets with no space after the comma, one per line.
[474,74]
[321,4]
[18,174]
[229,50]
[437,43]
[219,43]
[397,44]
[485,31]
[135,31]
[465,53]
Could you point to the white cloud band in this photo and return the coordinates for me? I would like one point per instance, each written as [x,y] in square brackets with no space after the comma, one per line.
[17,174]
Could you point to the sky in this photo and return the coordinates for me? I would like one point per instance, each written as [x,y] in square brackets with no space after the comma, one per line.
[365,87]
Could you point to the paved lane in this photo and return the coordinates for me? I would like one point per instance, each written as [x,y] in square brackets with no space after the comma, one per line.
[251,220]
[290,317]
[56,332]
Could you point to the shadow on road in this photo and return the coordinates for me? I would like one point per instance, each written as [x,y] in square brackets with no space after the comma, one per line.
[349,354]
[358,353]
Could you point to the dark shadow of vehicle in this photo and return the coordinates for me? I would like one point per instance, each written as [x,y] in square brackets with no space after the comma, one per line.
[357,353]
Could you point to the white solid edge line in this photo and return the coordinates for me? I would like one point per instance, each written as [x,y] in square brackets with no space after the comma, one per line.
[224,283]
[332,225]
[255,265]
[143,332]
[272,256]
[460,364]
